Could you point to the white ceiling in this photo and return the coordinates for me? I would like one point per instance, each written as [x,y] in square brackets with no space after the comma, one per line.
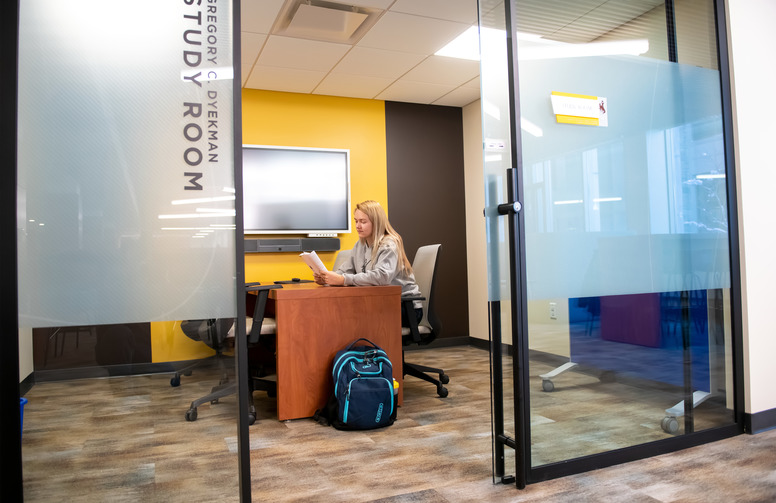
[394,59]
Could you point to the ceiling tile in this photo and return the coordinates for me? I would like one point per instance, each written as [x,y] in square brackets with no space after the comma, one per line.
[250,45]
[377,62]
[462,11]
[258,16]
[443,70]
[356,86]
[414,92]
[301,54]
[377,4]
[284,79]
[414,34]
[474,83]
[246,71]
[459,97]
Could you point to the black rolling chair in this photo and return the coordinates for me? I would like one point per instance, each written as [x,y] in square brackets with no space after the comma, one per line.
[257,328]
[261,333]
[425,331]
[213,332]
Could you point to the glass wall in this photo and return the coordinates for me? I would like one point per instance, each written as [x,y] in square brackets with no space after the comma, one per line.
[622,180]
[126,244]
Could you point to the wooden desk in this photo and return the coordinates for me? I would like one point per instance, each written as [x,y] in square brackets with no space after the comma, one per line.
[313,323]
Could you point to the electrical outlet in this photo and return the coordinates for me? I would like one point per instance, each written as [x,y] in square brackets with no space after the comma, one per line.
[553,311]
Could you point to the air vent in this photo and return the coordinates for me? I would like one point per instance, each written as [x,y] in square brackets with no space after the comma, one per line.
[325,21]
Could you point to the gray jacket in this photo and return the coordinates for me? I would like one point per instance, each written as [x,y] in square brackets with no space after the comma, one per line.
[362,270]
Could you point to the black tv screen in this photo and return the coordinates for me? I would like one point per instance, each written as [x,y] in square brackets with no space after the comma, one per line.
[295,190]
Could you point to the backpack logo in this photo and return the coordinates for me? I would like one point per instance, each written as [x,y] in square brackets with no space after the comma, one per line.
[379,413]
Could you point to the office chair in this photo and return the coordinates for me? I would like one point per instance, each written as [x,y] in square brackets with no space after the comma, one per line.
[342,257]
[257,327]
[213,332]
[425,331]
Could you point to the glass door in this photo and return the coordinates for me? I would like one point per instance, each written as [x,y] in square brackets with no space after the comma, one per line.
[129,249]
[622,278]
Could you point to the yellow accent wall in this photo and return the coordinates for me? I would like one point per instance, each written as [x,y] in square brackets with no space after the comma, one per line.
[169,343]
[303,120]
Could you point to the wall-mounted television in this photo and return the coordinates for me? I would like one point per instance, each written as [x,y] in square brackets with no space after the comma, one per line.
[296,190]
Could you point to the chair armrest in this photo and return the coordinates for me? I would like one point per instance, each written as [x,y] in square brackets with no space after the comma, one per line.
[408,306]
[256,287]
[262,292]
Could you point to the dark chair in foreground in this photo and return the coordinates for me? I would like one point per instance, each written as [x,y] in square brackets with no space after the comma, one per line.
[428,328]
[216,332]
[213,332]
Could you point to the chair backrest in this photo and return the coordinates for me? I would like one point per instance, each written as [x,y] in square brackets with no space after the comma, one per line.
[342,257]
[424,265]
[212,332]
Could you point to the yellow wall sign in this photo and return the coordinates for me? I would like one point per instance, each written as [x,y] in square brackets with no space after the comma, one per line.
[580,109]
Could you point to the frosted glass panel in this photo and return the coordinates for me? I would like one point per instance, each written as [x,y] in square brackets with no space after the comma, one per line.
[126,192]
[497,159]
[646,190]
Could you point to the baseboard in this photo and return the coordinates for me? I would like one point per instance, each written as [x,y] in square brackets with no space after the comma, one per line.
[760,421]
[106,371]
[26,385]
[506,349]
[442,342]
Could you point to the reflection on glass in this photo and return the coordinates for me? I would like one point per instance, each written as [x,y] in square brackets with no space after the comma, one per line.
[626,242]
[126,226]
[625,208]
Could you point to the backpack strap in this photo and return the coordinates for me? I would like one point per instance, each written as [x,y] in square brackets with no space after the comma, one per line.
[365,340]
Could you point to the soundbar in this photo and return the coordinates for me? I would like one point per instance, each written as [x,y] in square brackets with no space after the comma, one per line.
[271,245]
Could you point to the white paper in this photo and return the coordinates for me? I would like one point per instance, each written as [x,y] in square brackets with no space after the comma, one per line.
[312,260]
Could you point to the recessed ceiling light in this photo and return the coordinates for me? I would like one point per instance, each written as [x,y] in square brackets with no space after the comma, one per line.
[464,46]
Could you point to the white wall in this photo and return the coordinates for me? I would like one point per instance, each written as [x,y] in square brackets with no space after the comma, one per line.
[25,353]
[752,37]
[475,221]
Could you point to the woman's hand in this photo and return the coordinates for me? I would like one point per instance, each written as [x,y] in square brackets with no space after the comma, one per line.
[329,278]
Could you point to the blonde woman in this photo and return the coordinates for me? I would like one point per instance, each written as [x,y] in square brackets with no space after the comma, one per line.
[378,258]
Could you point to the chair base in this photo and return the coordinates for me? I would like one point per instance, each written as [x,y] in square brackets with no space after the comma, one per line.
[220,391]
[228,388]
[422,372]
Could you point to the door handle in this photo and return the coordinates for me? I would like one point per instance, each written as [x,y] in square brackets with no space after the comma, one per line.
[507,208]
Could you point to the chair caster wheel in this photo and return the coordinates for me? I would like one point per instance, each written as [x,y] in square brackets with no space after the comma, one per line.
[669,424]
[214,401]
[175,381]
[444,378]
[191,415]
[442,391]
[548,386]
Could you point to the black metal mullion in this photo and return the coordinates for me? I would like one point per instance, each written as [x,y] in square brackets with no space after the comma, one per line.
[244,395]
[671,31]
[517,262]
[12,479]
[731,177]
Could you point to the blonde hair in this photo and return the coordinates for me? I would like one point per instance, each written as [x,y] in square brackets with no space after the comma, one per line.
[381,228]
